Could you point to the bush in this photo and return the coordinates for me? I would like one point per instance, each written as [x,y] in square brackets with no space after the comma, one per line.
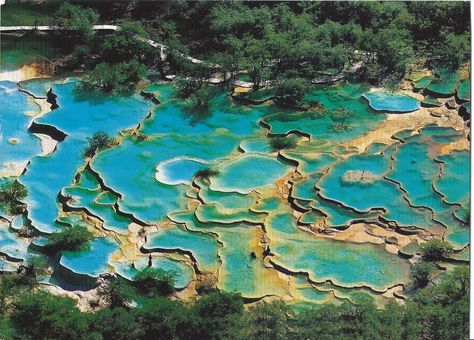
[219,315]
[269,321]
[74,238]
[162,318]
[340,117]
[421,274]
[435,250]
[11,194]
[291,91]
[76,21]
[116,293]
[34,267]
[206,173]
[201,97]
[120,77]
[44,316]
[99,141]
[154,281]
[280,143]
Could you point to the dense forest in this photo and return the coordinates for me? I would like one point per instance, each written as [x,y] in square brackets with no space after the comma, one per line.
[377,42]
[435,312]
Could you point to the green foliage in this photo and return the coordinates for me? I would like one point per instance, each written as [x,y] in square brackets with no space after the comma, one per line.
[273,320]
[435,250]
[453,49]
[11,194]
[280,143]
[340,117]
[73,238]
[76,21]
[161,318]
[291,91]
[201,97]
[117,293]
[80,51]
[218,315]
[19,13]
[99,141]
[206,173]
[116,323]
[126,43]
[32,269]
[154,281]
[120,77]
[44,316]
[435,312]
[421,274]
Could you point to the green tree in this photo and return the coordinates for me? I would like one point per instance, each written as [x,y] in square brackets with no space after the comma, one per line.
[73,238]
[161,318]
[291,91]
[453,49]
[218,315]
[273,320]
[117,293]
[280,143]
[435,250]
[126,43]
[41,315]
[117,323]
[206,173]
[421,273]
[33,268]
[11,194]
[99,141]
[154,281]
[201,97]
[340,117]
[120,77]
[76,21]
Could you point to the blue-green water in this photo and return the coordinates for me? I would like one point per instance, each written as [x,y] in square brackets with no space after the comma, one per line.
[262,215]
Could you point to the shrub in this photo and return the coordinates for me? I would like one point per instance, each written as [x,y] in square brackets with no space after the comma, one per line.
[435,250]
[421,274]
[74,238]
[280,143]
[340,117]
[76,21]
[291,91]
[11,194]
[33,267]
[201,97]
[207,284]
[218,314]
[154,281]
[44,316]
[206,173]
[99,141]
[116,293]
[120,77]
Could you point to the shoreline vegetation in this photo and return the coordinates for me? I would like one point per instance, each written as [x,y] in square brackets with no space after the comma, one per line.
[276,52]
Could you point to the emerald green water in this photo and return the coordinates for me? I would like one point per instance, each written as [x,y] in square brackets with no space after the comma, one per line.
[446,83]
[202,246]
[464,89]
[348,265]
[17,145]
[247,173]
[260,217]
[395,102]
